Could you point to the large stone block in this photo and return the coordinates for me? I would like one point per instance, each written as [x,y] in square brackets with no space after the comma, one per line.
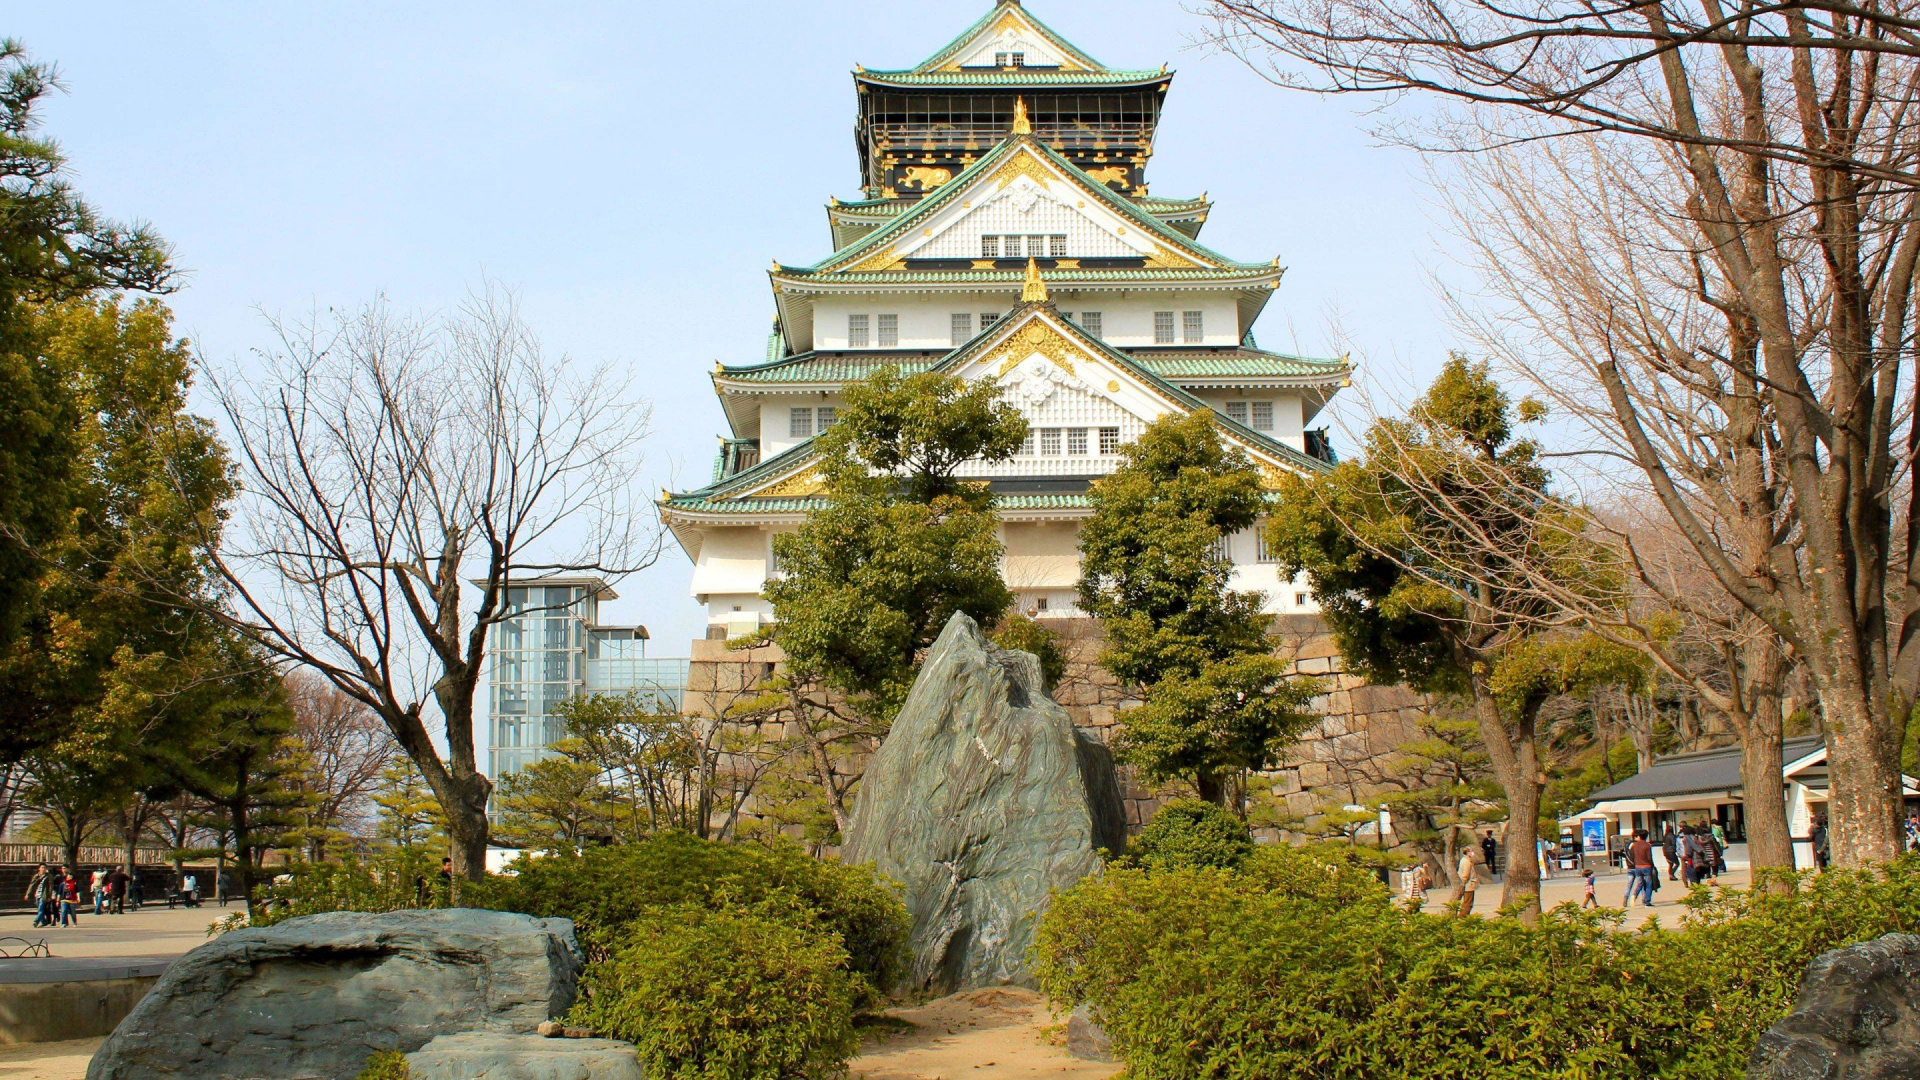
[313,998]
[485,1055]
[1857,1018]
[981,801]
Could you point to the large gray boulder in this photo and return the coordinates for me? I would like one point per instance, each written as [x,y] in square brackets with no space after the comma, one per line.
[479,1055]
[981,801]
[1857,1018]
[312,998]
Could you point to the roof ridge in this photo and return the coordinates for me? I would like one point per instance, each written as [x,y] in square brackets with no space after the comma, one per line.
[945,52]
[1003,150]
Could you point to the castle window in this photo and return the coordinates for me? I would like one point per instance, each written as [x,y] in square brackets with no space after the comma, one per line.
[962,327]
[1193,326]
[1010,247]
[1090,322]
[823,417]
[1026,445]
[889,331]
[1109,440]
[988,318]
[1237,411]
[989,247]
[800,423]
[1262,415]
[1223,549]
[856,331]
[999,59]
[1057,246]
[1077,440]
[1019,60]
[1037,246]
[1163,328]
[1050,442]
[1299,599]
[1263,551]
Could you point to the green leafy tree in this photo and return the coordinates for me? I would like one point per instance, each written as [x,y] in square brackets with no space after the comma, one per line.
[408,815]
[1447,788]
[867,583]
[54,247]
[1219,703]
[1411,596]
[556,803]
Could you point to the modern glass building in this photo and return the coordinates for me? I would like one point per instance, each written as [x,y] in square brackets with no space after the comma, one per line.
[551,647]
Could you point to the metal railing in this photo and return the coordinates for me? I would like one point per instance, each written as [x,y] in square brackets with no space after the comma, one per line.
[54,855]
[987,132]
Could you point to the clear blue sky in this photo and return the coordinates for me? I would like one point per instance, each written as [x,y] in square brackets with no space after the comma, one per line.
[632,169]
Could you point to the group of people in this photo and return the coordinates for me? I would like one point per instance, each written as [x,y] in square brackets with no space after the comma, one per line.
[1695,853]
[58,895]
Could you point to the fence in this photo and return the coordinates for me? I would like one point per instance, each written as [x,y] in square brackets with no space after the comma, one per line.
[54,854]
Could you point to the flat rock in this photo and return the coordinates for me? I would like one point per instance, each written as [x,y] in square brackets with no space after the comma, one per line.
[1857,1018]
[313,998]
[982,800]
[485,1055]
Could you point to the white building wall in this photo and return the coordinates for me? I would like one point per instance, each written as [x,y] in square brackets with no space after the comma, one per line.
[1126,317]
[1289,411]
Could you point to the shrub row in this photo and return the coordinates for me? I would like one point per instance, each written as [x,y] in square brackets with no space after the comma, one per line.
[1299,965]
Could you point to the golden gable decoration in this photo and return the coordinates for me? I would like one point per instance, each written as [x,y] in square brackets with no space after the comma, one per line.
[879,260]
[1021,164]
[1038,336]
[804,482]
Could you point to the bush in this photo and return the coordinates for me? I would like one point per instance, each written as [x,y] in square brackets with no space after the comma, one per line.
[1300,965]
[386,881]
[724,995]
[605,890]
[386,1065]
[1188,833]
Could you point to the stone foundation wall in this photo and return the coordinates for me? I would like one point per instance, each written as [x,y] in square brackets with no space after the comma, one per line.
[1338,761]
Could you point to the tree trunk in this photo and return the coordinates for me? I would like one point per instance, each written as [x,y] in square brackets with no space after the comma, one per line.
[1211,789]
[1769,843]
[1864,812]
[1516,765]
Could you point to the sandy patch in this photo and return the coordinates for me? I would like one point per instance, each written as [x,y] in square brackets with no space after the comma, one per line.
[47,1061]
[1002,1033]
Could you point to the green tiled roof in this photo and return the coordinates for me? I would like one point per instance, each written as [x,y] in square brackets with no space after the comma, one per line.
[1055,279]
[1012,77]
[1223,363]
[989,161]
[947,51]
[694,502]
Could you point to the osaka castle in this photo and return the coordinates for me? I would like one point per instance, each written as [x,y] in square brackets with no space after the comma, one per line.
[1005,232]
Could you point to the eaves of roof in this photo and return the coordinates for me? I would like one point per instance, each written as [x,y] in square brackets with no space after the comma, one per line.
[698,503]
[991,160]
[831,368]
[947,52]
[1012,78]
[1249,273]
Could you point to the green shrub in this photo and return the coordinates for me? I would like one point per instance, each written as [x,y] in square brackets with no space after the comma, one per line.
[605,890]
[1300,965]
[386,1065]
[1188,833]
[386,881]
[724,995]
[1027,635]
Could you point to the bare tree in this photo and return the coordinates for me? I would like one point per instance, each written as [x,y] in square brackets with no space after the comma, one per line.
[388,462]
[346,747]
[1700,222]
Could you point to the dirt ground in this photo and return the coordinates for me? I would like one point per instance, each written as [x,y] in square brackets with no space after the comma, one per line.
[1004,1033]
[47,1061]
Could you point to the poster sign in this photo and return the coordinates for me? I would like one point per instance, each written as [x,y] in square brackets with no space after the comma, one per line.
[1593,836]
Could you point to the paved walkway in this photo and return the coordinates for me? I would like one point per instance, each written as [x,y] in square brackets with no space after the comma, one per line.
[151,931]
[1609,889]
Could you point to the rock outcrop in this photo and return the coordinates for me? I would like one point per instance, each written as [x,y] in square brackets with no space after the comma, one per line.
[1857,1018]
[478,1055]
[315,997]
[982,799]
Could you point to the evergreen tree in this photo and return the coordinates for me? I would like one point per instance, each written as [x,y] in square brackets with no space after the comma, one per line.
[1218,703]
[409,816]
[554,804]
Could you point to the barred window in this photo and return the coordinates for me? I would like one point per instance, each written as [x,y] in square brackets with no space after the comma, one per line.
[1163,328]
[1223,549]
[1019,60]
[1010,247]
[1299,599]
[889,331]
[1193,327]
[823,417]
[1090,322]
[800,422]
[1049,442]
[1237,411]
[1077,440]
[1109,440]
[999,59]
[1263,550]
[1262,416]
[989,247]
[1057,246]
[962,327]
[856,331]
[1037,246]
[988,318]
[1026,445]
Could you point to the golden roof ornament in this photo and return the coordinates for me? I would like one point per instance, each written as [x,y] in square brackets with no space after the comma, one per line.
[1020,125]
[1034,290]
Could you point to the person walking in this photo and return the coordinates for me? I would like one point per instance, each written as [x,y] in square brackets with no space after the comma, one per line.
[117,891]
[137,890]
[1670,846]
[1820,852]
[41,890]
[1467,880]
[69,899]
[1489,853]
[1913,830]
[1590,900]
[190,890]
[1639,869]
[97,885]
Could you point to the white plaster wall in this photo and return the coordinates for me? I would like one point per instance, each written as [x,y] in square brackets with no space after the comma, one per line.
[1288,410]
[926,322]
[776,419]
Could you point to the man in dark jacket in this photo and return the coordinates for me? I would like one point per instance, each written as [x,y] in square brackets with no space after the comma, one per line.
[1489,849]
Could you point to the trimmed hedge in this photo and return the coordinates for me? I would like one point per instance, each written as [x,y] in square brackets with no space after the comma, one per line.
[1188,833]
[1301,966]
[725,995]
